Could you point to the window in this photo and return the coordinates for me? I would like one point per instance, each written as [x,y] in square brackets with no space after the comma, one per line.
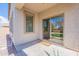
[29,23]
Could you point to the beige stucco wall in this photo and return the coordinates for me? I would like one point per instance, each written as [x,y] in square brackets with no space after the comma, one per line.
[71,29]
[20,36]
[71,22]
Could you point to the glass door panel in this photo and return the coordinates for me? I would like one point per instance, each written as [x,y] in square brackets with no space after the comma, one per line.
[46,29]
[56,28]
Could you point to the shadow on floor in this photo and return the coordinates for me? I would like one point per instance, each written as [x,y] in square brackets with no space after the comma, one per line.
[26,45]
[11,48]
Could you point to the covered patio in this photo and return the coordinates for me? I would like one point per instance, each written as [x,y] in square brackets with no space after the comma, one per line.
[51,24]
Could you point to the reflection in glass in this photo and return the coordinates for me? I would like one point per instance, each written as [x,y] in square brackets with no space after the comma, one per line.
[57,27]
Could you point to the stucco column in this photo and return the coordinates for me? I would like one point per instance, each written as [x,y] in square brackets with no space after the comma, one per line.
[71,29]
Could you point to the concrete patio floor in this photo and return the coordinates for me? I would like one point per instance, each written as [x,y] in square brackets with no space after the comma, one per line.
[33,48]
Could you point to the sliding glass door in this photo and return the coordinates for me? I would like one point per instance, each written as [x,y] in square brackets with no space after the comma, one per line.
[53,28]
[56,28]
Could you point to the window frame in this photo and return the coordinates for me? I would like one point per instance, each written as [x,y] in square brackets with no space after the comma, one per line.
[25,23]
[31,20]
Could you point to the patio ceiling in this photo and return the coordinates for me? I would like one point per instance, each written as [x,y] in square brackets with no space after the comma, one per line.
[38,7]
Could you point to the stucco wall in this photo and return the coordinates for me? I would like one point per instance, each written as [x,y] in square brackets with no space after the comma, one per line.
[20,36]
[71,22]
[71,29]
